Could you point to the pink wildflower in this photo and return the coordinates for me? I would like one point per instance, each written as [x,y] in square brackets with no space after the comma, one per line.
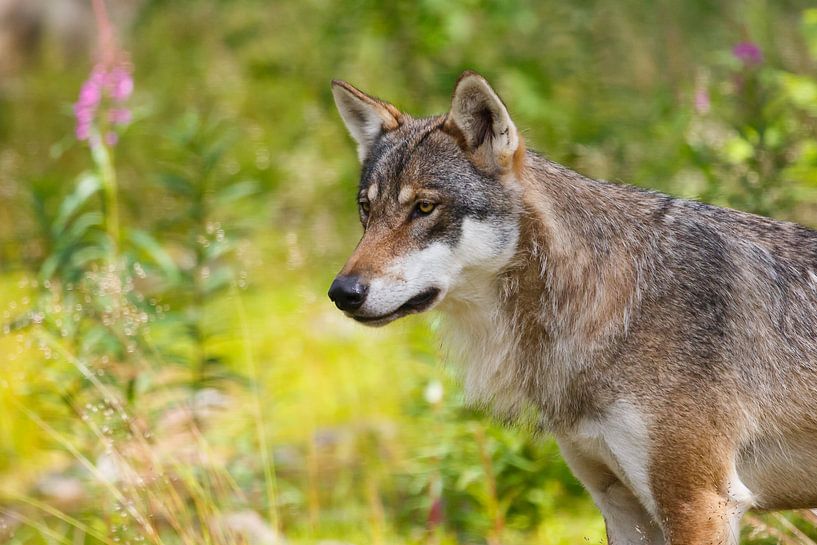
[702,102]
[120,83]
[85,108]
[748,53]
[119,116]
[107,88]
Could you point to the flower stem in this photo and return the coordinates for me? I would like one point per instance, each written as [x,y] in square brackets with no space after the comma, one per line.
[103,156]
[106,36]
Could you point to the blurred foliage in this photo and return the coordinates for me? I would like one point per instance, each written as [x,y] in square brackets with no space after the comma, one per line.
[189,367]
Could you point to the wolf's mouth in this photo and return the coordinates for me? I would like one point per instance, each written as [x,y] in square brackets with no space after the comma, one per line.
[416,304]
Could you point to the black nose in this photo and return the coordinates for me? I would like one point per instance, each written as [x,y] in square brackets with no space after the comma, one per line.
[348,292]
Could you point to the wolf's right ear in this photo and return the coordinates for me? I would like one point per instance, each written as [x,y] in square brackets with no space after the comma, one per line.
[366,117]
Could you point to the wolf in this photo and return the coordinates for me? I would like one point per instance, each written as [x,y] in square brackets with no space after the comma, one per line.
[670,346]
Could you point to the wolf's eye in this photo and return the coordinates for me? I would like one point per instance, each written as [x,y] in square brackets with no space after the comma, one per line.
[425,207]
[364,207]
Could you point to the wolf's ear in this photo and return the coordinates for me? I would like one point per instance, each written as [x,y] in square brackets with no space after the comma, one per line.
[481,123]
[365,116]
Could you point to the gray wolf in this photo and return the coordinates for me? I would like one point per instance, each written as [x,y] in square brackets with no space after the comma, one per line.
[668,345]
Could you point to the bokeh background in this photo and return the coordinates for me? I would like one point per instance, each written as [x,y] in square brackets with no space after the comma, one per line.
[170,368]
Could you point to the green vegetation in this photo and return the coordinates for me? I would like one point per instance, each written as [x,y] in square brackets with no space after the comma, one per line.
[172,370]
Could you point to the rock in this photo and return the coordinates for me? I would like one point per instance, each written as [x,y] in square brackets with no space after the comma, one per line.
[247,527]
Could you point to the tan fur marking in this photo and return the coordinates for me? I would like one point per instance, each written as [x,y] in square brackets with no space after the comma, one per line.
[391,115]
[690,471]
[372,193]
[519,158]
[377,249]
[396,116]
[407,194]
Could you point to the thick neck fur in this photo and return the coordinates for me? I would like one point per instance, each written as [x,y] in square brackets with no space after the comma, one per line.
[525,337]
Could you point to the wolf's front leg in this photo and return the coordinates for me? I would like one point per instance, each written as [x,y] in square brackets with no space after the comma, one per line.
[626,519]
[699,496]
[701,518]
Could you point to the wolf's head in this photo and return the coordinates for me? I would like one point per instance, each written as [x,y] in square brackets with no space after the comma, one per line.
[438,200]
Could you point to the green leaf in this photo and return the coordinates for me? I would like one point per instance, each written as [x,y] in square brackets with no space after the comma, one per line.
[215,151]
[801,90]
[217,280]
[177,184]
[217,249]
[236,191]
[737,150]
[80,227]
[88,184]
[147,244]
[49,266]
[86,255]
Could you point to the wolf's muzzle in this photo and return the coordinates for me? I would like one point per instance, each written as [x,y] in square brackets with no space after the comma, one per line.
[348,292]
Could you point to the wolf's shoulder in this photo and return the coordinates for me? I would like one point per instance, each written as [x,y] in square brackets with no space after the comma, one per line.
[789,242]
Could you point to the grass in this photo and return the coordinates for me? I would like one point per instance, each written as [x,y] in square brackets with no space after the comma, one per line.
[330,438]
[331,401]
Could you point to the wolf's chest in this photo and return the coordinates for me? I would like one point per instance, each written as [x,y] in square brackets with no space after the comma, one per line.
[483,347]
[500,368]
[510,366]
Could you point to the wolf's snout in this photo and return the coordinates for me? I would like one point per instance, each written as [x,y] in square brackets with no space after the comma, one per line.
[348,292]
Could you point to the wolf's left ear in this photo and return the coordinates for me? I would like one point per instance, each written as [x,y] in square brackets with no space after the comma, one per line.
[365,116]
[482,124]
